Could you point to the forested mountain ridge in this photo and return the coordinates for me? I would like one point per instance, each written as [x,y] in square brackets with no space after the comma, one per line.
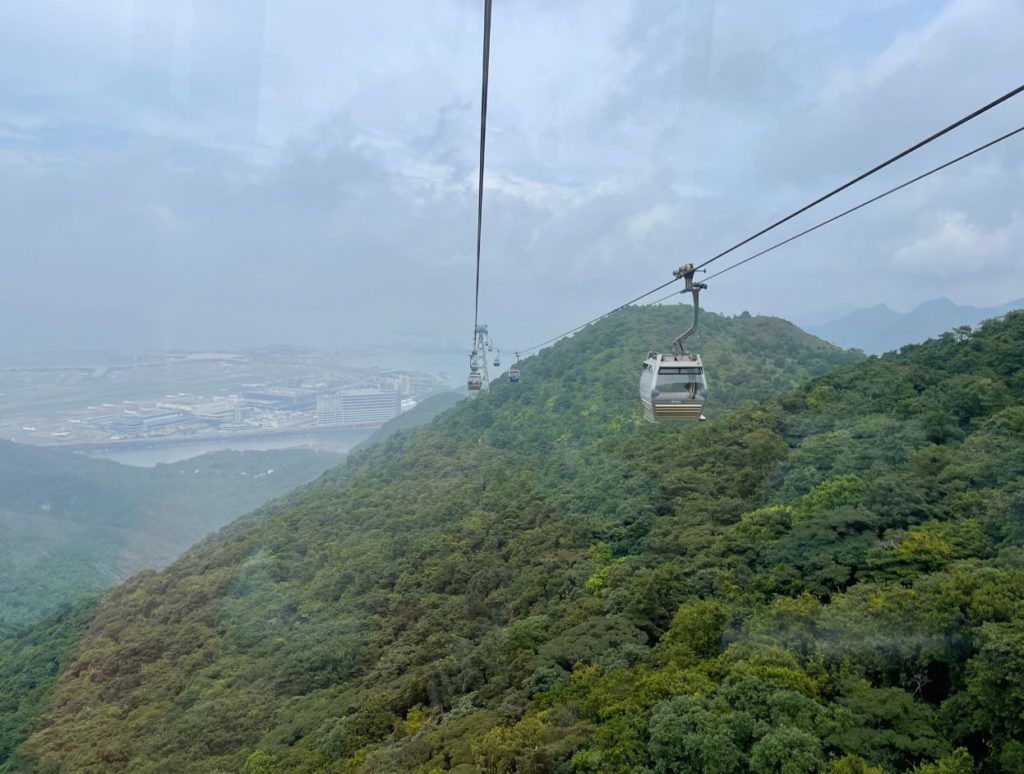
[537,581]
[72,525]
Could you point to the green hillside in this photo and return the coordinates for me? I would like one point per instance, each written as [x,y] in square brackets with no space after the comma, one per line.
[30,661]
[831,580]
[72,525]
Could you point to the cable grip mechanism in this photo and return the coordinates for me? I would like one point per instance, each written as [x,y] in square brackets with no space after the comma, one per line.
[686,273]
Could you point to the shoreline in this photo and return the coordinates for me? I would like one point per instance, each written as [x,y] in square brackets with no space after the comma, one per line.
[151,443]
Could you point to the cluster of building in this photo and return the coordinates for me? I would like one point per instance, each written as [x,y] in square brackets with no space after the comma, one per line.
[253,410]
[184,414]
[271,391]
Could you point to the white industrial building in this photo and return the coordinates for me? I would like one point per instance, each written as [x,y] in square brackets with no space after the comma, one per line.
[358,407]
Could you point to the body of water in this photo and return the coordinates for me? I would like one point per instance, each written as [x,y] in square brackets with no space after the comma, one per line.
[330,440]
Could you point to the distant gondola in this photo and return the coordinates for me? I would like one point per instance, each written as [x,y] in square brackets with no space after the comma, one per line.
[475,382]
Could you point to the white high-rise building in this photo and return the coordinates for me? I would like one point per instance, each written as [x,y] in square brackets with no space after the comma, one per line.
[363,407]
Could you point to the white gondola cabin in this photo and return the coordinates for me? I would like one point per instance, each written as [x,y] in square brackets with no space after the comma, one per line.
[673,387]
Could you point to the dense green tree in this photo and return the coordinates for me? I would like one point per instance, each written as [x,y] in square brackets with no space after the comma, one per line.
[786,750]
[885,726]
[539,581]
[691,738]
[30,662]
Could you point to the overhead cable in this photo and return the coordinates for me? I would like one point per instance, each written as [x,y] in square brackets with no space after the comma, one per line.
[872,200]
[792,238]
[906,152]
[483,145]
[581,326]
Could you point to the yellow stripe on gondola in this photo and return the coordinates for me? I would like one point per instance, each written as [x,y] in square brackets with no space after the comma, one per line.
[679,412]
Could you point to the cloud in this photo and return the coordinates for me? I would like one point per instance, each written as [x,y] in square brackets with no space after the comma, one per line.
[305,172]
[953,243]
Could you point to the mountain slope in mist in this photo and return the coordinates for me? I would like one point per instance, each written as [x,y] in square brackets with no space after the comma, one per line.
[74,525]
[879,329]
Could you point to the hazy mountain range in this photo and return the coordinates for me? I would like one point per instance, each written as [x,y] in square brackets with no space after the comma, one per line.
[878,329]
[73,525]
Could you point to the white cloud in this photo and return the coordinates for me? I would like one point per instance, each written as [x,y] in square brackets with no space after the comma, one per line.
[643,224]
[287,173]
[952,243]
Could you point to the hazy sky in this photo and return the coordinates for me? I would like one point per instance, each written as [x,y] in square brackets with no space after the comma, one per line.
[215,174]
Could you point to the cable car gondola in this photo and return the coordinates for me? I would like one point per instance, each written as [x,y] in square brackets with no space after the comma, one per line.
[513,372]
[475,382]
[497,359]
[673,387]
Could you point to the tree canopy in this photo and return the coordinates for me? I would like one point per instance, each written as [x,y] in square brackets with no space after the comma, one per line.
[828,576]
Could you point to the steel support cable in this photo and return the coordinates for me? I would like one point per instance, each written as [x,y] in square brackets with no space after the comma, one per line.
[819,200]
[483,145]
[860,206]
[906,152]
[873,170]
[580,327]
[793,238]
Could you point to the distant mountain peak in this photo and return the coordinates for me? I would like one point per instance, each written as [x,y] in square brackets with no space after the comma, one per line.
[942,302]
[876,329]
